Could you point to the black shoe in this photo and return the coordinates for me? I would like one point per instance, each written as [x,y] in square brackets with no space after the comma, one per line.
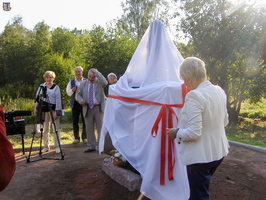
[89,150]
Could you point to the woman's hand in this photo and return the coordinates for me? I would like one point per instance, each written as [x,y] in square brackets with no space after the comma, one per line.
[171,132]
[55,115]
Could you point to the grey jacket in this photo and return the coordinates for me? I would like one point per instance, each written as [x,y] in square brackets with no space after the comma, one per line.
[82,93]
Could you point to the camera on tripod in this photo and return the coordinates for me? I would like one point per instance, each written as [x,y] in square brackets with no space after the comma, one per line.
[44,105]
[44,90]
[13,126]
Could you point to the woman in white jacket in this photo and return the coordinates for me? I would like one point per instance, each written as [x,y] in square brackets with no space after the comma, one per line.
[202,142]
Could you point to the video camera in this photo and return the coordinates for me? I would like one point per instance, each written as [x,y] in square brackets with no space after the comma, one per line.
[13,126]
[44,90]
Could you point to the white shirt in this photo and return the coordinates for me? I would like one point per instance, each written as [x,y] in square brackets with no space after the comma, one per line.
[69,89]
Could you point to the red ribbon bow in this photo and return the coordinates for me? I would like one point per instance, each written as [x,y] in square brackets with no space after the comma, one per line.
[162,118]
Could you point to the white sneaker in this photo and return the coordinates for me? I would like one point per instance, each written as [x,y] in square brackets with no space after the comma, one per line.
[76,141]
[57,150]
[85,141]
[45,150]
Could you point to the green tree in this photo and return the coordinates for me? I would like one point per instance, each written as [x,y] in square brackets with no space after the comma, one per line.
[63,69]
[13,51]
[110,50]
[83,40]
[228,39]
[25,55]
[94,55]
[120,48]
[256,88]
[138,14]
[63,42]
[38,51]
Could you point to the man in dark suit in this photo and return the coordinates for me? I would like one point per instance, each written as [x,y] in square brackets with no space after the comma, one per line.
[92,98]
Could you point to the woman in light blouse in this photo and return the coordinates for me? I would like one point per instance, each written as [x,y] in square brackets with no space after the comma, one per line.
[49,93]
[201,137]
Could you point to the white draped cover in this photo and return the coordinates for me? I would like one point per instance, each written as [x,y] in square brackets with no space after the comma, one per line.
[144,102]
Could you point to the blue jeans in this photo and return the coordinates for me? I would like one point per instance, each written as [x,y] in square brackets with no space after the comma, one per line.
[199,177]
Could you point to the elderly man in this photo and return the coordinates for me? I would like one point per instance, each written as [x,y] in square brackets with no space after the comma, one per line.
[76,107]
[92,98]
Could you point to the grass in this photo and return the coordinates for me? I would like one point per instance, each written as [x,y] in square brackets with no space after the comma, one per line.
[66,133]
[252,125]
[255,139]
[251,129]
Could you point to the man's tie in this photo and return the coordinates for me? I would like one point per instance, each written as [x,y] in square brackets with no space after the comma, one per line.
[91,96]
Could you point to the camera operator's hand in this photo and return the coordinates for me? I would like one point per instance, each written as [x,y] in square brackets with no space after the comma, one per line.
[55,115]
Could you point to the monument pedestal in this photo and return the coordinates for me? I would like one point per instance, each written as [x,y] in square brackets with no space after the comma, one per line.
[125,177]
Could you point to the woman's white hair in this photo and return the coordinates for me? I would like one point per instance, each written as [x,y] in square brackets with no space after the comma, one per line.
[112,75]
[194,68]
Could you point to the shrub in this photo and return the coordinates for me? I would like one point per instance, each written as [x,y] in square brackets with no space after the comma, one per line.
[257,114]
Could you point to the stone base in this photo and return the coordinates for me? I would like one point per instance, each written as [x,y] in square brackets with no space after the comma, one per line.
[125,177]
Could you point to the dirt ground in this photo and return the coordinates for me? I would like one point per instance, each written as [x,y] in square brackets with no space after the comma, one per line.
[241,176]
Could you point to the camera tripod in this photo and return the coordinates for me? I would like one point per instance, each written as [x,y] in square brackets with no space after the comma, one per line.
[44,106]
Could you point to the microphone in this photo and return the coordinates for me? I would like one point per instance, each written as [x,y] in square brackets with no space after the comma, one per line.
[19,113]
[22,112]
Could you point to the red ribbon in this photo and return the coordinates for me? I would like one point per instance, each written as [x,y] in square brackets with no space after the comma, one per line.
[154,131]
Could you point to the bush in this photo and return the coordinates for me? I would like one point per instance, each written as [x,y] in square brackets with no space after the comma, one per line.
[252,111]
[17,104]
[256,114]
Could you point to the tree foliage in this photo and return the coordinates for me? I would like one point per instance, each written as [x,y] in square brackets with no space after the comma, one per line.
[110,49]
[25,55]
[13,57]
[229,40]
[138,14]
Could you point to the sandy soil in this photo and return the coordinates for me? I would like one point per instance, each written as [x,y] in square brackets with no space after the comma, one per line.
[241,176]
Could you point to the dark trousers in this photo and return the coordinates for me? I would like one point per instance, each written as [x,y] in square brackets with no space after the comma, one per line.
[199,177]
[76,112]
